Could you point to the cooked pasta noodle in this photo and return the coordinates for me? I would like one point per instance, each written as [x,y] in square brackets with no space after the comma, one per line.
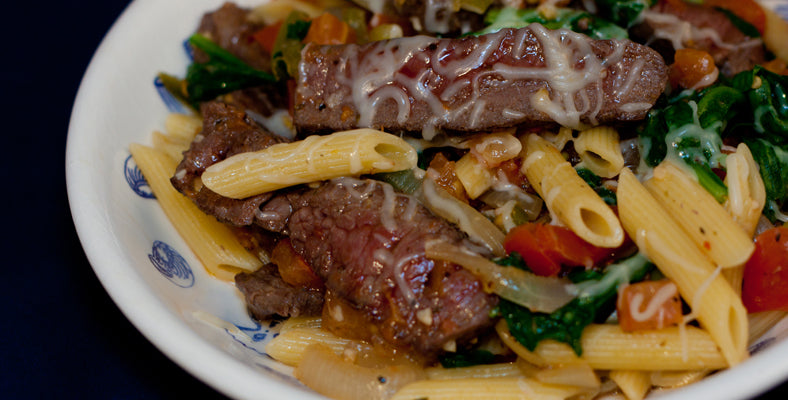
[600,151]
[316,158]
[566,195]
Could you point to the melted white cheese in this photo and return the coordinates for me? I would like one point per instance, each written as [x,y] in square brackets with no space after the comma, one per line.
[572,76]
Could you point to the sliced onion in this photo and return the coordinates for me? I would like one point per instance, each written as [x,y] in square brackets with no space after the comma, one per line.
[537,293]
[331,375]
[469,220]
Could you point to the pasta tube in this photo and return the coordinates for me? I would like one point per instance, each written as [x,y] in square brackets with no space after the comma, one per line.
[600,150]
[608,347]
[715,304]
[514,388]
[704,220]
[568,197]
[746,192]
[213,242]
[316,158]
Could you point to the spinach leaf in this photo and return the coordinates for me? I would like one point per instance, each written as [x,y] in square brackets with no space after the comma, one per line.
[466,359]
[594,303]
[623,12]
[575,20]
[595,182]
[222,74]
[740,24]
[773,163]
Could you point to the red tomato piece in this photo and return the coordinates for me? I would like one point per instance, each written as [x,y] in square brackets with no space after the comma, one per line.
[765,285]
[545,248]
[328,29]
[635,309]
[267,36]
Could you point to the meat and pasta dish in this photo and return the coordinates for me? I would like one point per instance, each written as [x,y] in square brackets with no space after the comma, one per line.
[453,199]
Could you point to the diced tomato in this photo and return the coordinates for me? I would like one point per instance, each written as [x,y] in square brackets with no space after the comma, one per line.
[292,267]
[765,285]
[690,67]
[748,10]
[545,248]
[637,313]
[267,36]
[328,29]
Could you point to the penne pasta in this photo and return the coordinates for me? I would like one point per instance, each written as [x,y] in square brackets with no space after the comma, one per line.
[476,371]
[746,191]
[212,242]
[475,177]
[515,388]
[608,347]
[579,374]
[703,219]
[172,145]
[634,384]
[568,197]
[316,158]
[183,126]
[600,151]
[289,346]
[715,304]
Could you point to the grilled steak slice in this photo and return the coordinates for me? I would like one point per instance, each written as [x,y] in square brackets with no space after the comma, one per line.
[681,25]
[230,28]
[367,243]
[503,79]
[226,131]
[267,295]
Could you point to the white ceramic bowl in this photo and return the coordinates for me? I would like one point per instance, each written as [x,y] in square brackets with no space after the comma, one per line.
[132,247]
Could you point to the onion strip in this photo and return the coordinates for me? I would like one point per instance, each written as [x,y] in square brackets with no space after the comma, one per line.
[469,220]
[537,293]
[329,374]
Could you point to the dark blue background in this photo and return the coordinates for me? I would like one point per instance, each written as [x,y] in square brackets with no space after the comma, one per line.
[62,337]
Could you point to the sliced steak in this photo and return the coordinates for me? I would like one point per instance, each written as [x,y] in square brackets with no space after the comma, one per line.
[503,79]
[267,295]
[231,29]
[367,243]
[226,131]
[680,25]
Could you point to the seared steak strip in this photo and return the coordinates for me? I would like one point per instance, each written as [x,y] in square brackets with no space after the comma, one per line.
[230,28]
[503,79]
[268,295]
[226,131]
[367,243]
[680,25]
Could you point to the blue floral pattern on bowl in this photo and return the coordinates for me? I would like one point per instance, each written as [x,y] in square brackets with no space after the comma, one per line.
[171,264]
[136,180]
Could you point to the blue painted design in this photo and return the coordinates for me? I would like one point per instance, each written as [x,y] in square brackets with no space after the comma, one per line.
[257,333]
[136,181]
[173,104]
[171,264]
[761,345]
[188,49]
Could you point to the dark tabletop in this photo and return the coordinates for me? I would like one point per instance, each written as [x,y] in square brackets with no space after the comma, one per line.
[62,336]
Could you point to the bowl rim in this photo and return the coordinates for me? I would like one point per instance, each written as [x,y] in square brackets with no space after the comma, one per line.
[205,361]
